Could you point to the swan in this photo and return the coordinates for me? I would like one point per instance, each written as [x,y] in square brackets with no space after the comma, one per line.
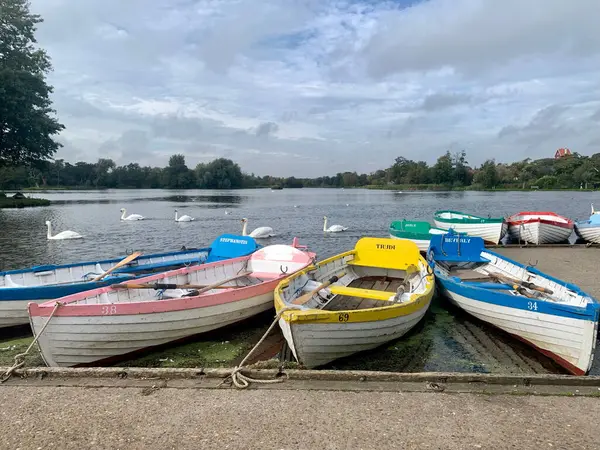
[260,232]
[62,235]
[131,216]
[332,228]
[184,218]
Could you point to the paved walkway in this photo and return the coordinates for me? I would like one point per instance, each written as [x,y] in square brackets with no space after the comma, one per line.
[134,418]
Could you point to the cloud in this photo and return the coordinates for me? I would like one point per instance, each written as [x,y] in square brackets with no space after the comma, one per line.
[438,101]
[266,128]
[308,88]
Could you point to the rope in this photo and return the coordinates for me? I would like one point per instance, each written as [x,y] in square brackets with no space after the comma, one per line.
[20,358]
[241,381]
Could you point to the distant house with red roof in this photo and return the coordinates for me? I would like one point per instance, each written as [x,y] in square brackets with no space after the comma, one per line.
[562,152]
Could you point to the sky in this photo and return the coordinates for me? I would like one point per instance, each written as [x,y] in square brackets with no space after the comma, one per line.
[315,87]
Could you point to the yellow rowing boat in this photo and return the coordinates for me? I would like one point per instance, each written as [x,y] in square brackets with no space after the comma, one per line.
[354,301]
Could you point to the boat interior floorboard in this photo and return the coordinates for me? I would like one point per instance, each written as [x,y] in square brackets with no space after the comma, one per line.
[468,275]
[345,302]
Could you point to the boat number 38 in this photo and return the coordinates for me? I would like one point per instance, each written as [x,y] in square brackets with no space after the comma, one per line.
[532,306]
[343,317]
[107,310]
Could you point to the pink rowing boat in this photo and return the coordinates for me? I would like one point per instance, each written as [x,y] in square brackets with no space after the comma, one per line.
[107,323]
[537,227]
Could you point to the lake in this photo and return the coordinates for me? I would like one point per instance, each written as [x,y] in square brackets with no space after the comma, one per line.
[290,212]
[446,340]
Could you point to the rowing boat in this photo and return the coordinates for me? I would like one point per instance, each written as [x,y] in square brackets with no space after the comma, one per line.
[355,301]
[491,230]
[555,317]
[43,283]
[415,231]
[108,323]
[539,227]
[589,230]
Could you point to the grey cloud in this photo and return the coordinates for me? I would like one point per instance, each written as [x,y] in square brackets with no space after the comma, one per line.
[550,128]
[596,116]
[545,123]
[474,36]
[266,129]
[131,146]
[439,101]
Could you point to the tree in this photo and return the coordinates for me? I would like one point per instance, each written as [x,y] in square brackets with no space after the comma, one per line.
[26,117]
[221,173]
[462,173]
[443,170]
[487,176]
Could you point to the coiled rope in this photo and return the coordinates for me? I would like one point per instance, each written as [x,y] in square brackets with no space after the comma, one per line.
[20,358]
[241,381]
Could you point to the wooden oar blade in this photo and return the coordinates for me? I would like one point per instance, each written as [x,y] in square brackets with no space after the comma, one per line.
[121,263]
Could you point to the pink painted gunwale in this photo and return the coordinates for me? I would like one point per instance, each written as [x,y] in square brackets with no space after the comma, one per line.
[568,225]
[169,305]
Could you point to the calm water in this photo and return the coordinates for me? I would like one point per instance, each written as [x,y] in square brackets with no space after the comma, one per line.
[290,212]
[446,340]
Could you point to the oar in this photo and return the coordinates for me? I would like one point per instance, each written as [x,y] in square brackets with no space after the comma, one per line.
[201,289]
[525,284]
[159,286]
[119,264]
[306,297]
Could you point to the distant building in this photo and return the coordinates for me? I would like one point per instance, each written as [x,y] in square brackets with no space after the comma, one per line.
[562,152]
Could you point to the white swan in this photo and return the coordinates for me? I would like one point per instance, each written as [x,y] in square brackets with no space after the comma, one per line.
[332,228]
[62,235]
[184,218]
[260,232]
[131,216]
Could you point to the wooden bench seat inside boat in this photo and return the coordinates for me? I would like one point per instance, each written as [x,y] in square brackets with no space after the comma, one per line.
[372,288]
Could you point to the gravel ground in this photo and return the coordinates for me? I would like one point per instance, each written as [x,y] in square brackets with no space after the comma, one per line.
[125,418]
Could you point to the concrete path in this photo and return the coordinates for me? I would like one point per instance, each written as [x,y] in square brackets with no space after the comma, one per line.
[134,418]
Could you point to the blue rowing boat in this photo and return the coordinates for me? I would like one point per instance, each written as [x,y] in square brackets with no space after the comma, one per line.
[43,283]
[555,317]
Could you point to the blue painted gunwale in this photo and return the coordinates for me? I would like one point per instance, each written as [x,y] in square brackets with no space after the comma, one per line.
[453,284]
[224,247]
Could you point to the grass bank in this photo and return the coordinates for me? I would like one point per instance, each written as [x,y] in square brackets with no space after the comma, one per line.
[9,202]
[442,188]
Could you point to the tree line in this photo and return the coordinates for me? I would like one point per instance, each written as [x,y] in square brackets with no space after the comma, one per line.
[450,171]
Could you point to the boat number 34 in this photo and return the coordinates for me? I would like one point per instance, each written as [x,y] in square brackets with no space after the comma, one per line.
[343,317]
[532,306]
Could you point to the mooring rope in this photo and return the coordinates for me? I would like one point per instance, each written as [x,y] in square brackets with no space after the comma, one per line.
[242,381]
[20,358]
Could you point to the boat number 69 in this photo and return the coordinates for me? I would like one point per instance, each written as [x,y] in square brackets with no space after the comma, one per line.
[532,306]
[343,317]
[109,309]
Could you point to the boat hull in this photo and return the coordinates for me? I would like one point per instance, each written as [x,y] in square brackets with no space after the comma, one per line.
[43,283]
[82,340]
[14,313]
[492,233]
[539,232]
[568,341]
[589,233]
[317,344]
[422,244]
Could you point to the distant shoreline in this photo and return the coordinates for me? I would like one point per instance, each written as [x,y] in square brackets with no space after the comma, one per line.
[409,188]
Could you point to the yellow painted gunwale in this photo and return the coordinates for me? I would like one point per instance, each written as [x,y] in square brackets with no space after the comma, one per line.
[416,302]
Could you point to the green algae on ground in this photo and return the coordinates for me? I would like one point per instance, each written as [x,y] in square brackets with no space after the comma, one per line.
[193,354]
[10,348]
